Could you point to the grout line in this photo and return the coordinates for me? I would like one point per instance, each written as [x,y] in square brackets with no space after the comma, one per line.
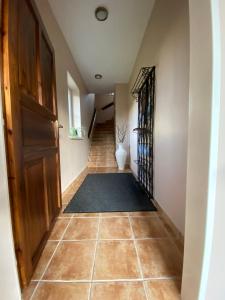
[145,290]
[109,280]
[149,217]
[138,258]
[102,216]
[84,240]
[34,291]
[105,240]
[115,216]
[162,278]
[94,258]
[137,239]
[79,217]
[85,217]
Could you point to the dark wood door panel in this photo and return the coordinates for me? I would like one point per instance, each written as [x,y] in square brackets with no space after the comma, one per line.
[46,63]
[27,48]
[51,163]
[29,102]
[36,203]
[37,130]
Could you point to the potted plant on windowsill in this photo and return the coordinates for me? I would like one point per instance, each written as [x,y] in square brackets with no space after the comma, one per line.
[76,133]
[121,153]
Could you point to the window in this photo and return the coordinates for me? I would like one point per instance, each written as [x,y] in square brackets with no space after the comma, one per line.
[75,128]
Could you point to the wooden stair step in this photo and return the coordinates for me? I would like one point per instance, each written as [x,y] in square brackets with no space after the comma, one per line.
[102,151]
[103,144]
[99,154]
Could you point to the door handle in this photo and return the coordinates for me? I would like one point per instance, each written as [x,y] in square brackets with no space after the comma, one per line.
[57,124]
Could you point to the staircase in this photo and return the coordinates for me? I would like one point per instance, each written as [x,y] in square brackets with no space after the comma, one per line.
[102,153]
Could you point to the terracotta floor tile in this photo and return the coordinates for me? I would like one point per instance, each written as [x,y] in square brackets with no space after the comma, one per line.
[116,260]
[59,228]
[77,185]
[45,257]
[180,245]
[115,228]
[70,190]
[170,229]
[61,291]
[143,214]
[27,292]
[72,261]
[65,215]
[118,291]
[92,215]
[91,170]
[67,197]
[114,214]
[158,258]
[82,228]
[147,227]
[164,289]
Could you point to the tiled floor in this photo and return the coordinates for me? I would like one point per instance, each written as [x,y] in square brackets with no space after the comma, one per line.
[118,256]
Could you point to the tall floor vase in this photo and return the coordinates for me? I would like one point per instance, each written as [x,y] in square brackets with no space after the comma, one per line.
[121,156]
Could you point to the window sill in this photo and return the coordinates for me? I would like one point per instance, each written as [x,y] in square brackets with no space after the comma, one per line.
[76,138]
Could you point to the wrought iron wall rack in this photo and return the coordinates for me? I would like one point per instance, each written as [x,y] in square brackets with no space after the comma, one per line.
[144,92]
[140,80]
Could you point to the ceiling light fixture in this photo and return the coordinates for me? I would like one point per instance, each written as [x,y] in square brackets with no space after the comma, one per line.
[98,76]
[101,13]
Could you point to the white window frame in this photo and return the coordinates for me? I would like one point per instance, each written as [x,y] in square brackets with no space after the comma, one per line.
[74,111]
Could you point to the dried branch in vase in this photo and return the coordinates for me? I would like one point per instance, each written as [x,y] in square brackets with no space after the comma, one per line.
[121,133]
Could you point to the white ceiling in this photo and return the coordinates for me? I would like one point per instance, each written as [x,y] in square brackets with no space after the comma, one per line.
[109,48]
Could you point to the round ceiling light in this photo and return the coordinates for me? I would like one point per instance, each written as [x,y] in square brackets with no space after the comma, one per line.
[101,13]
[98,76]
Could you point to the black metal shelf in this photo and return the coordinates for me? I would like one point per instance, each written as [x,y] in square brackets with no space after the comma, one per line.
[141,78]
[139,130]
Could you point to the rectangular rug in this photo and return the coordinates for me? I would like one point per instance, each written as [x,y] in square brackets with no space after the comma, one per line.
[111,192]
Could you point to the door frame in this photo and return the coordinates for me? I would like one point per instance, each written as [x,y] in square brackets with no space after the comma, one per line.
[9,284]
[15,164]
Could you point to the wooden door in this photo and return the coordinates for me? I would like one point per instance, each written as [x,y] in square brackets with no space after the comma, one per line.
[31,131]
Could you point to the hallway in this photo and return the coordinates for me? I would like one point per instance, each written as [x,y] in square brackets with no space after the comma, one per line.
[122,256]
[115,87]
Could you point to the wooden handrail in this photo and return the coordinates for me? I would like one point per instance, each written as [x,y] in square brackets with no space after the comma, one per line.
[92,123]
[107,105]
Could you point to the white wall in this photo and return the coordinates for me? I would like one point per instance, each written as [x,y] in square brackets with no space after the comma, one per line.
[122,111]
[101,101]
[204,260]
[166,46]
[73,153]
[215,283]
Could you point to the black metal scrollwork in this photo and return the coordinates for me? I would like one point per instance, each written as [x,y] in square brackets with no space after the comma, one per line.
[144,92]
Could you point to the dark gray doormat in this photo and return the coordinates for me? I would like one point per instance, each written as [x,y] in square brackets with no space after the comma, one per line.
[112,192]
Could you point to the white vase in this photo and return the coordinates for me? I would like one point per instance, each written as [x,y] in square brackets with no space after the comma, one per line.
[121,156]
